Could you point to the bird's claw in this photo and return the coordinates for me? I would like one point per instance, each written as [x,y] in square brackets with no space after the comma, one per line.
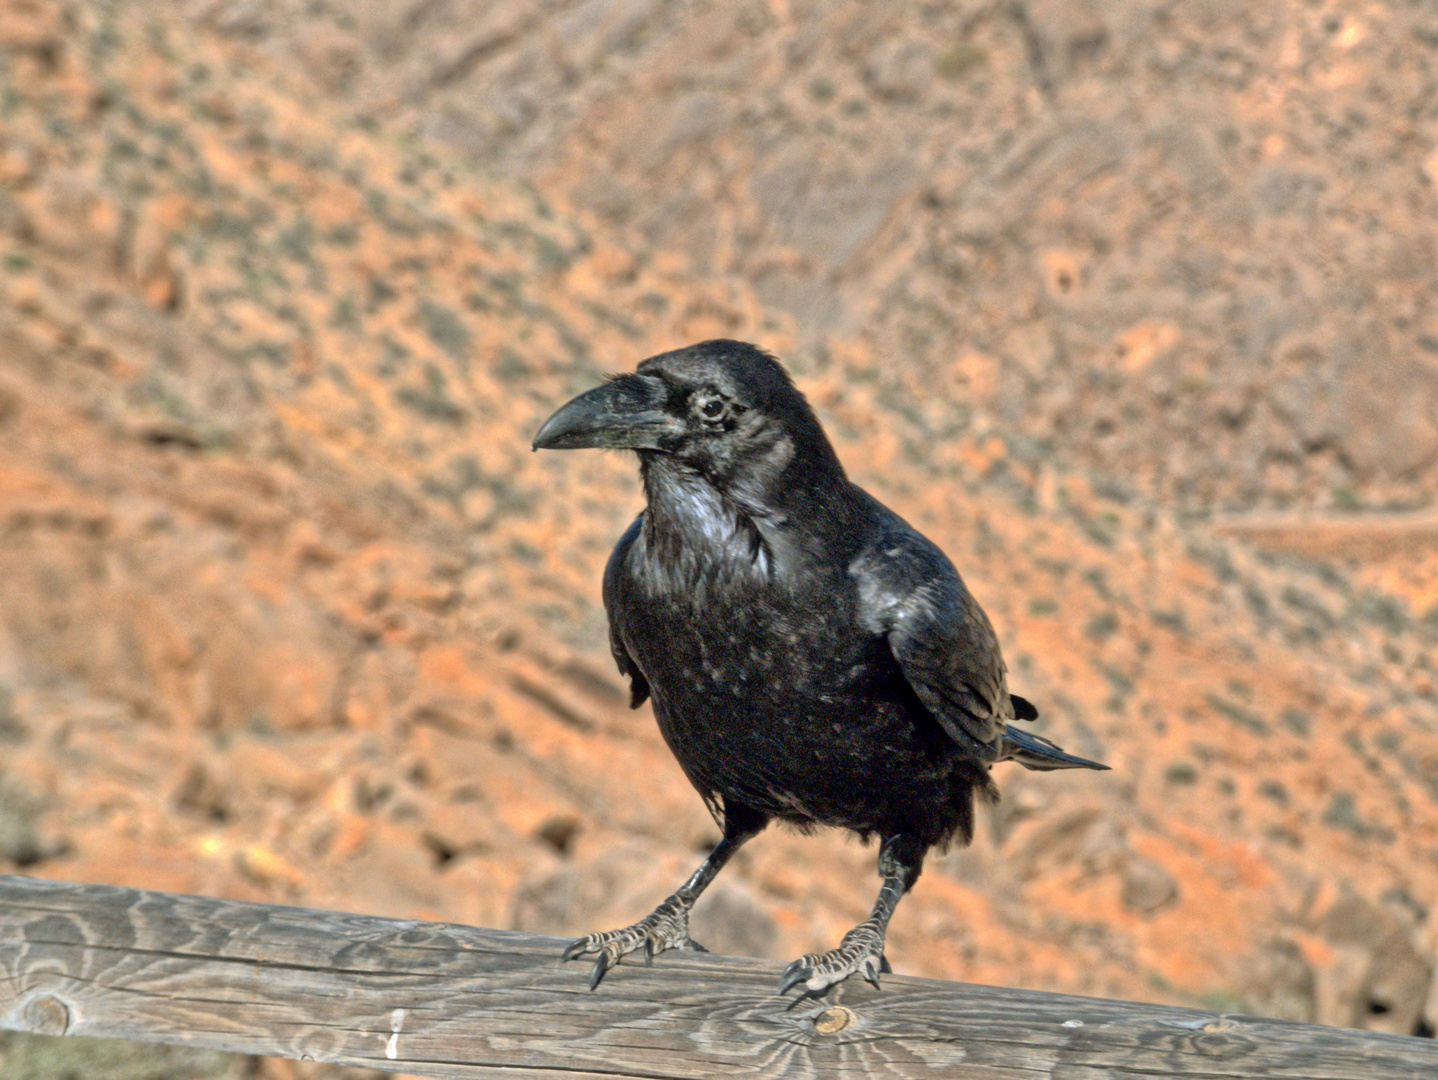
[667,927]
[606,959]
[861,952]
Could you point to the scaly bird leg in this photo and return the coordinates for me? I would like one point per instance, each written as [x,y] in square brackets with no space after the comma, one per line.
[667,927]
[862,948]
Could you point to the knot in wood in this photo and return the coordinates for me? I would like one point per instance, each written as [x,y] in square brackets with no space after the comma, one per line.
[833,1019]
[45,1014]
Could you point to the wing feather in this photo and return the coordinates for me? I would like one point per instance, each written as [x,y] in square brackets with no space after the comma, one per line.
[638,684]
[940,637]
[947,649]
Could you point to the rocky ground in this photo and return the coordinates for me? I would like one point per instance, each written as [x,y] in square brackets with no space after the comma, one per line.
[1129,306]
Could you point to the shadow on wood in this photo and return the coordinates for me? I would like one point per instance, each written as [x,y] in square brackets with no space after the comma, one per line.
[453,1001]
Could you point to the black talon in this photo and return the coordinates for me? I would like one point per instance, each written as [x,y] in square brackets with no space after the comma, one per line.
[575,949]
[794,974]
[602,963]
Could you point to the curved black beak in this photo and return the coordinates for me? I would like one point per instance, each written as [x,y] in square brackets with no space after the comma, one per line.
[626,413]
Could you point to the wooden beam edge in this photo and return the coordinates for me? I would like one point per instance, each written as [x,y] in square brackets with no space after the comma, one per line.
[442,1000]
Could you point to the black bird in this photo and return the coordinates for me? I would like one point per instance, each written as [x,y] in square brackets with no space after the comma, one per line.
[811,657]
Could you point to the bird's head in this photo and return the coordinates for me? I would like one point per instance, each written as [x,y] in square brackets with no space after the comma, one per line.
[722,409]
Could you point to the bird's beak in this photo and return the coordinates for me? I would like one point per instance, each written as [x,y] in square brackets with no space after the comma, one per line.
[626,413]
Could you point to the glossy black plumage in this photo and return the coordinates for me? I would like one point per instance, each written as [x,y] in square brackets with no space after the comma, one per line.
[810,656]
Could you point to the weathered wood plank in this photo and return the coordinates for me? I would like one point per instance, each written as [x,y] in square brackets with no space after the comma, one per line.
[453,1001]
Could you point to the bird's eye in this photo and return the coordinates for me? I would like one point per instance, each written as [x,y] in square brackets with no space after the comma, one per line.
[711,408]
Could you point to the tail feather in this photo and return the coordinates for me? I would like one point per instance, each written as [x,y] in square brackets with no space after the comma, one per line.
[1036,752]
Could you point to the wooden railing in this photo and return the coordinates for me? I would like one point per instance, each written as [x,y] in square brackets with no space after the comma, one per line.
[453,1001]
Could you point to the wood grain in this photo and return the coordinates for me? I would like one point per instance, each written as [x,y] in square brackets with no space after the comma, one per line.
[453,1001]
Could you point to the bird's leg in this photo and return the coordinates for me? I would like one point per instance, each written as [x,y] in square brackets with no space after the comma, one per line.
[667,926]
[862,948]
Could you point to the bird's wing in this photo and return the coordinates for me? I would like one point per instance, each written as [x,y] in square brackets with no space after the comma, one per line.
[941,638]
[638,684]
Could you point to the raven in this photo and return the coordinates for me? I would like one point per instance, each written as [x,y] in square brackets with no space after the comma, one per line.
[811,657]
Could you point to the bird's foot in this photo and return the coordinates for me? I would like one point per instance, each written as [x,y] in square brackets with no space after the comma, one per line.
[862,951]
[667,927]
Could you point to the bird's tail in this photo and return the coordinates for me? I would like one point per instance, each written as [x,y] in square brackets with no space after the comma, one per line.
[1036,752]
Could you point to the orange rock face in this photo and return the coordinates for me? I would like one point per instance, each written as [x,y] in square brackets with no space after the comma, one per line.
[288,611]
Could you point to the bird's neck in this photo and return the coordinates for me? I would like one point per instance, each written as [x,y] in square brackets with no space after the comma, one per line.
[685,505]
[782,520]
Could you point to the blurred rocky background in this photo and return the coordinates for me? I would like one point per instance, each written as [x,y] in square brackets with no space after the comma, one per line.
[1131,306]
